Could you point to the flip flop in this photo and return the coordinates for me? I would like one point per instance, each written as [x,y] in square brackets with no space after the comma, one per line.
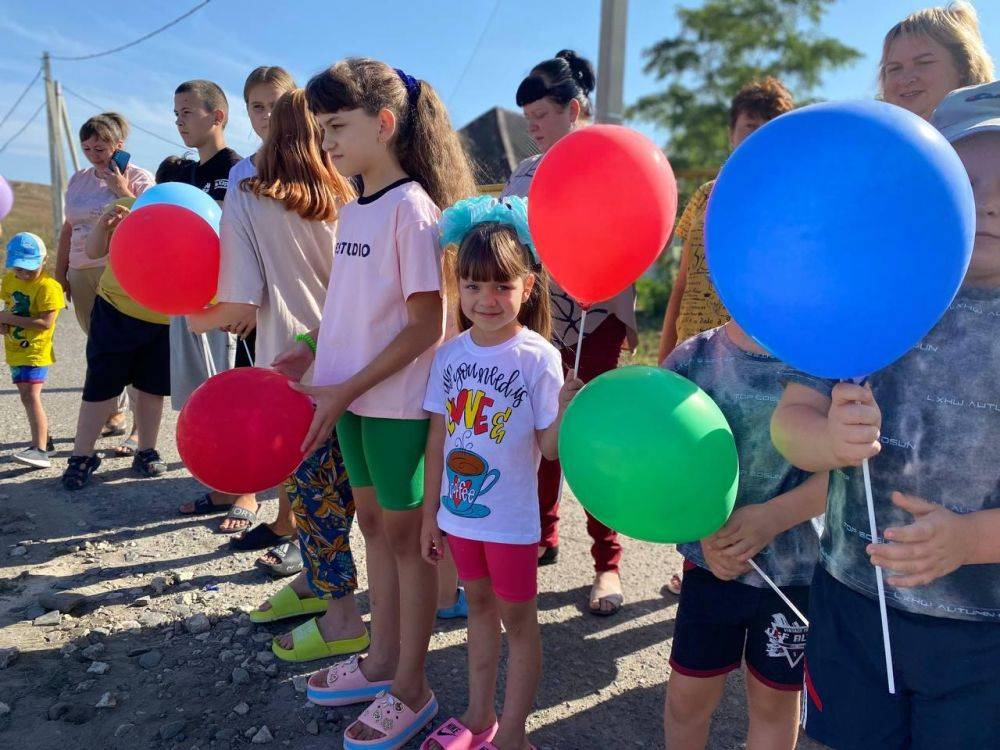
[239,514]
[458,610]
[390,716]
[204,506]
[343,684]
[308,644]
[289,560]
[454,735]
[286,603]
[128,447]
[110,431]
[259,537]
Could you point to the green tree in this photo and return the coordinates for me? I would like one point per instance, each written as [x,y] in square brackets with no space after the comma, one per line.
[722,45]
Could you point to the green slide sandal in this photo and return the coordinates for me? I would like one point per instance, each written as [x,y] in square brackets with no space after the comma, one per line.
[308,644]
[286,603]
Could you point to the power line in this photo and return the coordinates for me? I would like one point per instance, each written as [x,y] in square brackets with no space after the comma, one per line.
[475,49]
[177,20]
[23,94]
[23,127]
[92,103]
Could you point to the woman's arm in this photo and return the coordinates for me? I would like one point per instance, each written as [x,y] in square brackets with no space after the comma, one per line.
[424,328]
[62,257]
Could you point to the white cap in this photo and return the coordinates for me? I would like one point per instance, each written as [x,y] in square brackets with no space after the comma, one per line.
[965,112]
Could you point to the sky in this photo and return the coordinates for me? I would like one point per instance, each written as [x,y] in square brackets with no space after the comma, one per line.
[474,52]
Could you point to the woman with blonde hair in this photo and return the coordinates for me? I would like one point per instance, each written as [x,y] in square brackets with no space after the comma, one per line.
[929,54]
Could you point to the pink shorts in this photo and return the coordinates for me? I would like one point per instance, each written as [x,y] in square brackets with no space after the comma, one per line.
[511,568]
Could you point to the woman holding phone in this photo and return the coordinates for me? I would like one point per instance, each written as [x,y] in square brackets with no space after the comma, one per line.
[102,139]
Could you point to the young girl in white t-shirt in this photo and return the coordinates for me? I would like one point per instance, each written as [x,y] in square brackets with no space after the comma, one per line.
[383,318]
[496,398]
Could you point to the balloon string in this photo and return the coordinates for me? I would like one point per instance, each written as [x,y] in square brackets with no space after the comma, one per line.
[579,343]
[779,592]
[206,350]
[576,372]
[246,348]
[878,580]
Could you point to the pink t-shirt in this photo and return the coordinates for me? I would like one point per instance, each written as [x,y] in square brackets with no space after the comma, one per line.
[387,250]
[86,196]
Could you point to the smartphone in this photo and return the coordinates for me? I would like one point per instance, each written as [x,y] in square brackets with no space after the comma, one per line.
[121,158]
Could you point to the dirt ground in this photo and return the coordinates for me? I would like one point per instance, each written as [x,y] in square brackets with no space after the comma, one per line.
[134,665]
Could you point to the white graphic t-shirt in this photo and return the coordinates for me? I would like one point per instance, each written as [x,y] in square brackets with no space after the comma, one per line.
[493,399]
[387,250]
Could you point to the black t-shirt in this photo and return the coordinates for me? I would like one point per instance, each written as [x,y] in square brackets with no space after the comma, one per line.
[213,175]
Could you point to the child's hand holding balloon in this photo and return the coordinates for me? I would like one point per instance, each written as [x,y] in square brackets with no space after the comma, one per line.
[724,566]
[431,541]
[854,424]
[748,530]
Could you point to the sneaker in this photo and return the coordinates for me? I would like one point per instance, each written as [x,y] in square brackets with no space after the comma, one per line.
[148,463]
[33,457]
[79,470]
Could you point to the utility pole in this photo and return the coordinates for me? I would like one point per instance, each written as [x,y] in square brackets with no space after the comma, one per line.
[611,62]
[67,129]
[57,163]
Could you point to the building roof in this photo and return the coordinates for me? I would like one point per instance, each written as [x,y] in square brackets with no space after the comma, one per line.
[497,141]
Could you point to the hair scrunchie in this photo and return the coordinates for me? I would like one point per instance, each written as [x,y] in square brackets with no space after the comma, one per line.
[458,220]
[412,86]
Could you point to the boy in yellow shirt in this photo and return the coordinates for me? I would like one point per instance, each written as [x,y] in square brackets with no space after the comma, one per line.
[32,301]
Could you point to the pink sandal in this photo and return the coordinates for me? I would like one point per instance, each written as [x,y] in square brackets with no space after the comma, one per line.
[454,735]
[343,684]
[397,723]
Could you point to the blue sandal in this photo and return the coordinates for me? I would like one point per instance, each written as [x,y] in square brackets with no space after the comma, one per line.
[458,610]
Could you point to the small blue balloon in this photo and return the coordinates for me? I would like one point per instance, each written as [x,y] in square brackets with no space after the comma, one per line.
[184,195]
[837,235]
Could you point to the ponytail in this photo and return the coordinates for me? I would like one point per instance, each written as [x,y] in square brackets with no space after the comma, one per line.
[564,78]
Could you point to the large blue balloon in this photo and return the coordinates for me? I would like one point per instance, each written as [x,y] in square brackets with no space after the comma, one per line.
[837,235]
[184,195]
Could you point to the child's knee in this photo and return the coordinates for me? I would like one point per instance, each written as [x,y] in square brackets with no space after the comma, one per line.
[771,706]
[370,520]
[687,702]
[479,595]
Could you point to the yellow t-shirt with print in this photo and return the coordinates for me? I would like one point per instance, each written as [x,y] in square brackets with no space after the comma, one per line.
[31,299]
[700,308]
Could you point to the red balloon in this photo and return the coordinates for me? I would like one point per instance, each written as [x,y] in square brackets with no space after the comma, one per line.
[166,258]
[601,208]
[241,430]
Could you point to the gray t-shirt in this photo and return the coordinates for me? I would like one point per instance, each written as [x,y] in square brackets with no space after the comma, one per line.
[747,386]
[940,441]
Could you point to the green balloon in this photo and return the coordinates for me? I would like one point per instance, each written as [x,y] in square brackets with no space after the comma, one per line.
[649,454]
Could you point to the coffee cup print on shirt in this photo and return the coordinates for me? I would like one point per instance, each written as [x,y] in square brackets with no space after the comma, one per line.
[469,478]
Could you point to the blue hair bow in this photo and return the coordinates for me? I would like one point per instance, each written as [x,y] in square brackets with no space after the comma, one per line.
[458,220]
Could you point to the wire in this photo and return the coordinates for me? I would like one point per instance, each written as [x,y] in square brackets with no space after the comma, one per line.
[475,49]
[23,94]
[92,103]
[151,34]
[23,127]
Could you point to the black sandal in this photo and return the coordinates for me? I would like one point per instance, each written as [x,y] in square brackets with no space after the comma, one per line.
[289,560]
[79,470]
[148,463]
[259,537]
[238,514]
[204,506]
[549,556]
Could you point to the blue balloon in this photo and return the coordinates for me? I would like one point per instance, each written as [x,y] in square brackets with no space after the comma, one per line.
[837,235]
[184,195]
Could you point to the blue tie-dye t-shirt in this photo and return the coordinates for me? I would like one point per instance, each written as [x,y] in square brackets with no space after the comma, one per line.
[747,387]
[940,441]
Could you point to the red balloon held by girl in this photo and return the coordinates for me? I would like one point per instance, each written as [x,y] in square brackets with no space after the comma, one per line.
[166,258]
[601,208]
[241,430]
